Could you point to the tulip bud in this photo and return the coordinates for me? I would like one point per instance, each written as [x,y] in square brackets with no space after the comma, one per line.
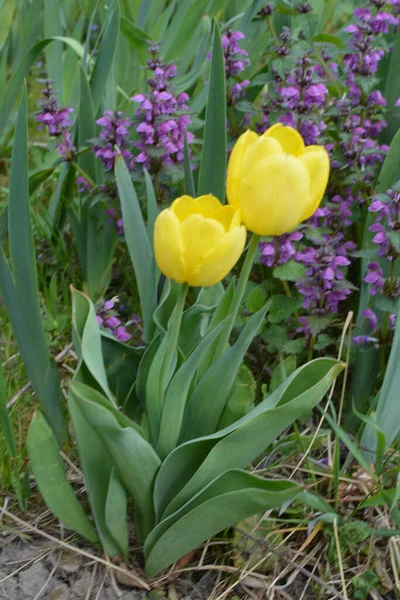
[275,180]
[198,240]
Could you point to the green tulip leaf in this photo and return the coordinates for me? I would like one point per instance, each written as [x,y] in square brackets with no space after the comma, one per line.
[88,344]
[177,394]
[116,512]
[134,458]
[210,396]
[49,472]
[195,463]
[230,498]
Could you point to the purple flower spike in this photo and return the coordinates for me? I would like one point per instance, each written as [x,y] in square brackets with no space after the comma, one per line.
[114,133]
[162,121]
[375,278]
[57,121]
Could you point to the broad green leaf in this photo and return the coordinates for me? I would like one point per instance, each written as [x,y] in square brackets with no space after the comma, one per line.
[181,29]
[166,305]
[102,67]
[26,310]
[144,368]
[285,368]
[219,315]
[54,55]
[210,396]
[388,408]
[88,343]
[70,68]
[196,318]
[213,157]
[135,36]
[195,463]
[227,500]
[177,394]
[7,9]
[134,458]
[87,127]
[121,363]
[116,512]
[140,250]
[97,468]
[51,478]
[162,368]
[291,271]
[241,399]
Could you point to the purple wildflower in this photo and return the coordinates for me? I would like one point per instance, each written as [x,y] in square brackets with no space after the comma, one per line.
[387,222]
[375,278]
[115,132]
[324,286]
[107,318]
[280,250]
[163,119]
[57,121]
[236,59]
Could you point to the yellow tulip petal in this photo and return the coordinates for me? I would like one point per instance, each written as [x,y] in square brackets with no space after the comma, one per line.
[262,148]
[316,160]
[168,247]
[229,216]
[274,195]
[184,207]
[234,164]
[290,139]
[221,259]
[198,235]
[207,205]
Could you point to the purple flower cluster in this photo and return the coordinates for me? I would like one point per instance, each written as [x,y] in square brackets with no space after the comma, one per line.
[57,121]
[386,228]
[387,224]
[114,133]
[163,119]
[335,214]
[280,250]
[107,317]
[324,286]
[301,96]
[367,52]
[236,60]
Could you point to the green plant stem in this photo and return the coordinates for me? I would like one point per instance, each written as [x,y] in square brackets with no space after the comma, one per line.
[239,293]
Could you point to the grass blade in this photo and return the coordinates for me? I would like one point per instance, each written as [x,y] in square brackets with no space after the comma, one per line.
[213,157]
[54,55]
[139,247]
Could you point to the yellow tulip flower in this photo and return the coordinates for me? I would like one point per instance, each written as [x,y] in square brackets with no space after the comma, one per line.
[198,240]
[275,180]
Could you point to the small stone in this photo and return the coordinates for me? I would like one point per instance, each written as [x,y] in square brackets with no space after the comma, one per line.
[33,579]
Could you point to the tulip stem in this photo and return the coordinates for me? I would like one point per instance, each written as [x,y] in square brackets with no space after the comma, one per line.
[239,293]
